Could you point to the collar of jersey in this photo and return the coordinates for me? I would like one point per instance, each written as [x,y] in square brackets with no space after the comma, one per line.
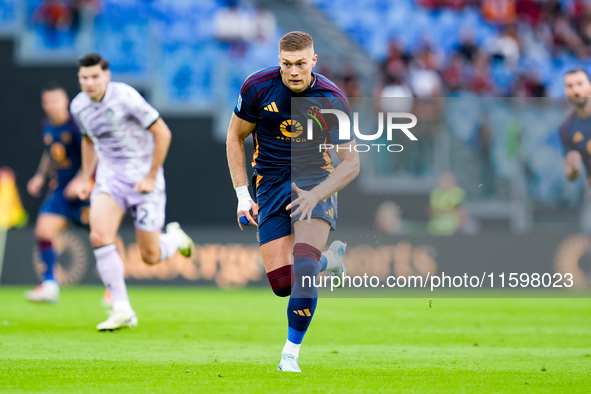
[105,97]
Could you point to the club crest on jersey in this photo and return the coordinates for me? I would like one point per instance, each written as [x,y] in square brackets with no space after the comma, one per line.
[66,137]
[313,112]
[109,113]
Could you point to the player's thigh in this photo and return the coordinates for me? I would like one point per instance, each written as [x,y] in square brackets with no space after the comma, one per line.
[276,253]
[49,225]
[148,211]
[149,244]
[314,234]
[105,217]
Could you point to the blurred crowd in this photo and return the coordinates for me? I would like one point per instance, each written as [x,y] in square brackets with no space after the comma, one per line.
[447,215]
[58,17]
[533,36]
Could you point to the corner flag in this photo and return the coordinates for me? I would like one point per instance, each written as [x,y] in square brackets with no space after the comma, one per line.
[12,213]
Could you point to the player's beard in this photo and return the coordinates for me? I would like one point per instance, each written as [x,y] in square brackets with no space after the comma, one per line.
[579,102]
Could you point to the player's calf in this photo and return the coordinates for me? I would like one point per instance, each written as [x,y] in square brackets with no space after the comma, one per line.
[302,303]
[306,268]
[150,255]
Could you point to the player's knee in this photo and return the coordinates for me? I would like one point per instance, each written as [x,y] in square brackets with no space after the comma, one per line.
[305,270]
[281,280]
[44,244]
[44,231]
[42,234]
[306,259]
[150,256]
[98,239]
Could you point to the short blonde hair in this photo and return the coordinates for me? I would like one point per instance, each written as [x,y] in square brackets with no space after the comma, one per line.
[295,41]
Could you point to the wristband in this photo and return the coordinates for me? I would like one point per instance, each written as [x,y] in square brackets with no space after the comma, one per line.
[242,193]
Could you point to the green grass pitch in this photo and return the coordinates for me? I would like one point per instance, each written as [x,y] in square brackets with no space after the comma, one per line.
[208,340]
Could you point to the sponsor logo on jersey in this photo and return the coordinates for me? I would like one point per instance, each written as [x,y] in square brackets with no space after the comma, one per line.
[295,128]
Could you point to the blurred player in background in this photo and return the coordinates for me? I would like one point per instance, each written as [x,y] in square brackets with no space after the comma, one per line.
[59,164]
[125,139]
[575,131]
[309,203]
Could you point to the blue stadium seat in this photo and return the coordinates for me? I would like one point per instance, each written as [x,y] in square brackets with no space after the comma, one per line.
[462,119]
[120,36]
[8,20]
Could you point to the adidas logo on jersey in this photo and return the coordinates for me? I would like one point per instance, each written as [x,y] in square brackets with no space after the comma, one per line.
[271,107]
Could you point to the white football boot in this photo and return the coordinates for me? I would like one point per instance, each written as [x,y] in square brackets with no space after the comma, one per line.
[288,363]
[117,320]
[187,246]
[48,291]
[338,248]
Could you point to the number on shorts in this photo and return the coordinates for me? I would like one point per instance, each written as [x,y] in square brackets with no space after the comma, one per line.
[142,216]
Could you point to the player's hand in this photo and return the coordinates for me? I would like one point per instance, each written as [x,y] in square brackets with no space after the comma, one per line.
[305,203]
[82,189]
[573,159]
[245,205]
[244,210]
[71,190]
[146,185]
[35,185]
[572,162]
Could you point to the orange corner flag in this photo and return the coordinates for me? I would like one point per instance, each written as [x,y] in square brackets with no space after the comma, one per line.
[12,213]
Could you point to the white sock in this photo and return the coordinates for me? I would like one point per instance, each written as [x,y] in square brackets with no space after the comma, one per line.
[169,244]
[112,273]
[122,306]
[50,284]
[291,348]
[331,259]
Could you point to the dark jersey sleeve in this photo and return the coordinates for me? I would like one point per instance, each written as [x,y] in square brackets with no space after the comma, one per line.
[246,108]
[567,143]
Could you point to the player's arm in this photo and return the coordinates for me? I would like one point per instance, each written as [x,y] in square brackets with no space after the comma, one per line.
[572,159]
[162,137]
[89,158]
[340,177]
[83,184]
[238,131]
[572,163]
[36,183]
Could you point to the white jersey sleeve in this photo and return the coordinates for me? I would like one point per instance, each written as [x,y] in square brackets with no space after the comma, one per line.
[139,108]
[76,106]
